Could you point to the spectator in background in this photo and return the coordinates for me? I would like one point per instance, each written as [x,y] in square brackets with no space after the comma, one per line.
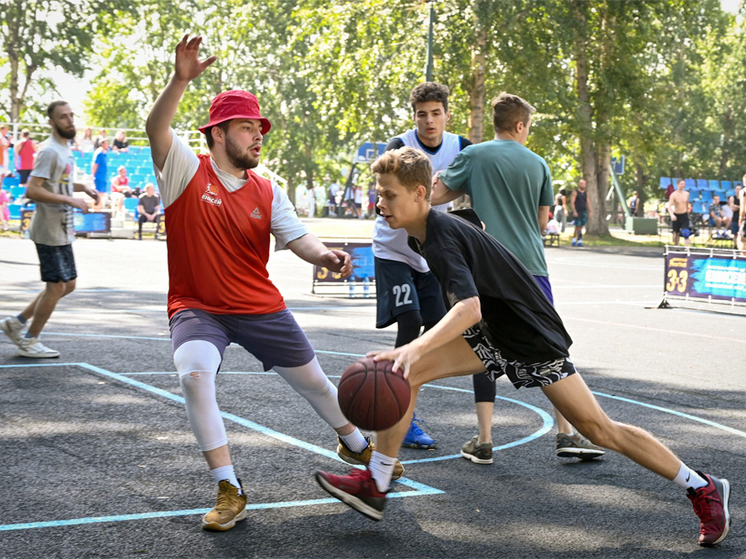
[678,209]
[149,209]
[4,211]
[120,188]
[25,151]
[634,204]
[560,209]
[736,207]
[582,211]
[716,213]
[741,235]
[4,158]
[332,199]
[120,142]
[311,202]
[359,201]
[86,144]
[371,200]
[99,170]
[727,210]
[101,138]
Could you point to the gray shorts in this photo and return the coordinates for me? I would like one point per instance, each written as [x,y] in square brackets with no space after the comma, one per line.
[275,339]
[522,375]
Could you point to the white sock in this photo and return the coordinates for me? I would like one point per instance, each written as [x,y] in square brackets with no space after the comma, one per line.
[226,472]
[355,441]
[689,478]
[382,468]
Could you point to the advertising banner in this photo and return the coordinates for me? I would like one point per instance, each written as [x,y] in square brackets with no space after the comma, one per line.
[92,222]
[706,276]
[363,269]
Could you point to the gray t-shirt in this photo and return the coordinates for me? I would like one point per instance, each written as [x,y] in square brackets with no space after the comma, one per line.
[53,223]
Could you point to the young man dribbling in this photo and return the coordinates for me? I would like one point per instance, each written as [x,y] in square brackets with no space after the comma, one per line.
[500,320]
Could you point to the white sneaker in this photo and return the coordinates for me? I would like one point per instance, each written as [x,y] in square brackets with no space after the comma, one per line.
[13,329]
[32,347]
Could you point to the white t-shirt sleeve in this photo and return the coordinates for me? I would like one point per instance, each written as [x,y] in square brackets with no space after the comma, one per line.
[285,225]
[180,166]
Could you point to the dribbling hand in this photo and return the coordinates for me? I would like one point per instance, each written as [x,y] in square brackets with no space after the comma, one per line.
[188,66]
[338,261]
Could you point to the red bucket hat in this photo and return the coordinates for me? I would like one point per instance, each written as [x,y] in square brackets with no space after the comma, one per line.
[235,103]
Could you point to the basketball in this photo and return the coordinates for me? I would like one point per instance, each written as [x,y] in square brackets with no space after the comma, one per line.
[371,396]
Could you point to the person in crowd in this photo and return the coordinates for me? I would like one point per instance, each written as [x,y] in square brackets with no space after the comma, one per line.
[25,152]
[359,201]
[741,235]
[100,138]
[4,211]
[332,200]
[678,209]
[715,213]
[120,189]
[581,209]
[736,212]
[51,185]
[728,213]
[4,157]
[371,213]
[560,209]
[149,209]
[634,204]
[120,142]
[99,171]
[85,145]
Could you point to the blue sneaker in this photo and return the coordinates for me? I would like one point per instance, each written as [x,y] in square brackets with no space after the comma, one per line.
[417,438]
[580,242]
[574,242]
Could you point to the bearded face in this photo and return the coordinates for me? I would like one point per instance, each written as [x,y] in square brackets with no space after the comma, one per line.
[241,159]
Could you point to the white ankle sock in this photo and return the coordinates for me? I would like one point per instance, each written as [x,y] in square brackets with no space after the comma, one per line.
[355,441]
[226,472]
[689,478]
[382,468]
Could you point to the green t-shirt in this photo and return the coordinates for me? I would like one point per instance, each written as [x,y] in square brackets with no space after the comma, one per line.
[507,183]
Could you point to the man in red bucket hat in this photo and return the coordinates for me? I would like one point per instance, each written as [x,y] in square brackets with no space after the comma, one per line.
[219,216]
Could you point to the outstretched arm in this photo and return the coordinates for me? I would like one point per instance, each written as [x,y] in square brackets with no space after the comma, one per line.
[441,194]
[186,68]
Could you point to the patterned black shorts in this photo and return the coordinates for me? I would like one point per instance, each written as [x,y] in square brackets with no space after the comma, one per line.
[57,263]
[522,375]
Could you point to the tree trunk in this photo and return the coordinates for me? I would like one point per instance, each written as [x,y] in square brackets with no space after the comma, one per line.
[597,224]
[478,93]
[640,179]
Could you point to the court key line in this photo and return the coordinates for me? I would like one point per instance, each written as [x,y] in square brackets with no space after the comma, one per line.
[419,489]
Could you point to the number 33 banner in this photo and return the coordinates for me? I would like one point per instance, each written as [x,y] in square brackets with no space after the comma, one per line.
[705,276]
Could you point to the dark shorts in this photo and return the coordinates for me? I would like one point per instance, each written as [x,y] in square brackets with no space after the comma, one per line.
[581,218]
[57,263]
[275,339]
[400,289]
[680,223]
[23,175]
[522,375]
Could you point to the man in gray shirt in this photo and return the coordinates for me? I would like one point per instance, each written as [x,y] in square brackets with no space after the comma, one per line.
[51,186]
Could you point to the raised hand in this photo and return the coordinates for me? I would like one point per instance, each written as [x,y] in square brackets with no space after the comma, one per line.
[188,66]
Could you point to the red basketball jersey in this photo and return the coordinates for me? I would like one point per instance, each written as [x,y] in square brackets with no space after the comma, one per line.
[218,246]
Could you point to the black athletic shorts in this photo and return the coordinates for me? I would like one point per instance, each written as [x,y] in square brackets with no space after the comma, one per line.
[23,175]
[522,375]
[401,288]
[680,223]
[57,263]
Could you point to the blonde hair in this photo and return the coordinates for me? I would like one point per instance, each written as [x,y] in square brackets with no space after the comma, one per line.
[410,166]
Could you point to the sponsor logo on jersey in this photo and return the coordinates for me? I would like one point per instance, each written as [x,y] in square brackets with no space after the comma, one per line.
[256,214]
[211,195]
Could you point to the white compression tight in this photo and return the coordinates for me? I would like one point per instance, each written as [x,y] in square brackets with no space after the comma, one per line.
[197,363]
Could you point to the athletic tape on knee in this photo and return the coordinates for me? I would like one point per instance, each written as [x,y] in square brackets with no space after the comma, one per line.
[197,363]
[310,382]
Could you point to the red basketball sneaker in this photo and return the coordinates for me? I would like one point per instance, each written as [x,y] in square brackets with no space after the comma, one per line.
[711,505]
[357,490]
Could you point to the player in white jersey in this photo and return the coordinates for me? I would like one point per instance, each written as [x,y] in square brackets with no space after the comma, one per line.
[407,292]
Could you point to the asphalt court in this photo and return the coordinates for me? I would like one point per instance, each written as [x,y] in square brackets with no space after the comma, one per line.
[99,460]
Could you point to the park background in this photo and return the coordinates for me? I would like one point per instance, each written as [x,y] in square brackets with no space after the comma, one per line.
[659,82]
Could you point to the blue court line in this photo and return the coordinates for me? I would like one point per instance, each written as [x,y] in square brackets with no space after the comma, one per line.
[419,489]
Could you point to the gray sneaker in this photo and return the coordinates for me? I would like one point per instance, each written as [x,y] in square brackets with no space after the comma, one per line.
[479,453]
[33,348]
[577,446]
[13,329]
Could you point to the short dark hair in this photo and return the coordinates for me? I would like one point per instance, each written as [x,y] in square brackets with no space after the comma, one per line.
[429,91]
[53,105]
[508,110]
[208,132]
[410,166]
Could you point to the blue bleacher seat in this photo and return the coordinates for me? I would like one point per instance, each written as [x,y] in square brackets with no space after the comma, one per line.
[726,185]
[10,182]
[713,185]
[17,191]
[700,207]
[702,184]
[729,193]
[720,193]
[707,196]
[665,181]
[689,184]
[694,194]
[15,211]
[130,205]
